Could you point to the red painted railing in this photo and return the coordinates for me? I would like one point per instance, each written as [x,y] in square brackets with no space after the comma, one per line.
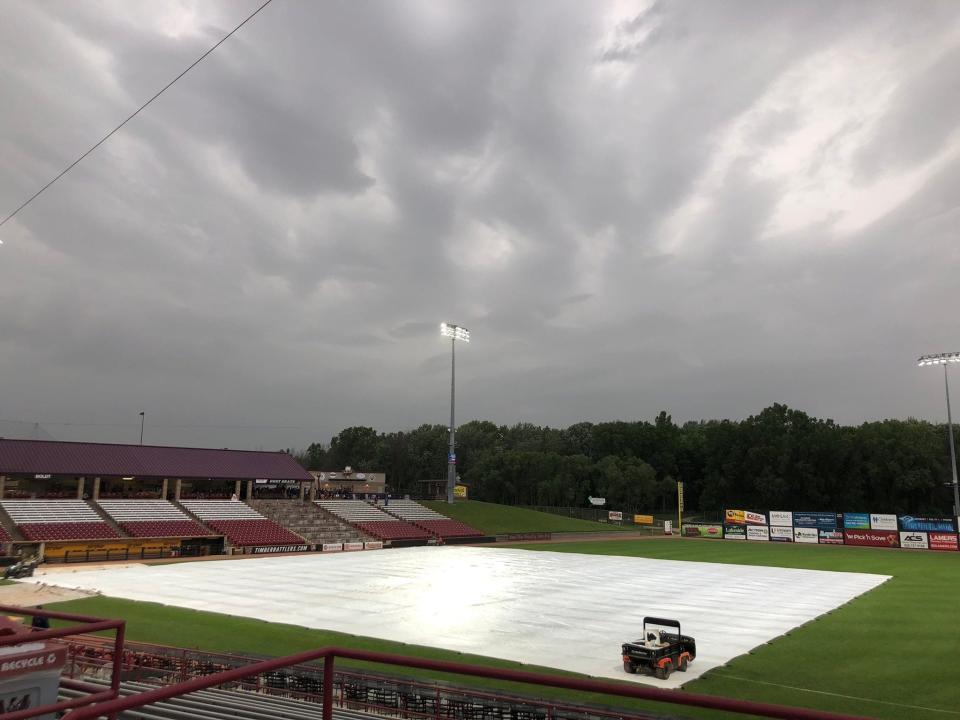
[329,655]
[88,625]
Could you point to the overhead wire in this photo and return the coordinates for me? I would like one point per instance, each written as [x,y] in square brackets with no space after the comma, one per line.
[132,115]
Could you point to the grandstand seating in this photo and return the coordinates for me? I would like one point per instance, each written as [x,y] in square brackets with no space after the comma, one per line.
[373,521]
[242,525]
[152,518]
[4,535]
[430,520]
[57,520]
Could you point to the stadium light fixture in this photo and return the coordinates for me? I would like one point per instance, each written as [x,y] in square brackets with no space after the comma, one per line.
[946,359]
[454,332]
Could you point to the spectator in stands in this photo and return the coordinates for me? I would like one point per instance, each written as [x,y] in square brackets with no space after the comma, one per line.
[234,498]
[38,622]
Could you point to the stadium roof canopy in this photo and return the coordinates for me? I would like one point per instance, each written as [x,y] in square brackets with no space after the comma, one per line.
[43,457]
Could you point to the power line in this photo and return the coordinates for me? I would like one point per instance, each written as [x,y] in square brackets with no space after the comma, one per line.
[133,115]
[63,423]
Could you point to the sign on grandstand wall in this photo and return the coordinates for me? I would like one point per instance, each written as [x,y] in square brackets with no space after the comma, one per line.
[703,530]
[348,546]
[755,532]
[915,540]
[856,521]
[831,537]
[926,524]
[871,538]
[883,522]
[806,535]
[734,517]
[332,547]
[779,533]
[783,518]
[754,518]
[378,545]
[734,532]
[262,549]
[819,520]
[942,541]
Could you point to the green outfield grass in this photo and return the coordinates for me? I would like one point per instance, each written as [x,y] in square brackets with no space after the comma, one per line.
[891,653]
[502,519]
[888,654]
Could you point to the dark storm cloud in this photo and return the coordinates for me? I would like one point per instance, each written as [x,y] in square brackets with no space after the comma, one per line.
[698,207]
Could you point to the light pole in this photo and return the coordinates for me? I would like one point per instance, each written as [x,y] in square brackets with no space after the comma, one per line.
[454,332]
[142,415]
[944,359]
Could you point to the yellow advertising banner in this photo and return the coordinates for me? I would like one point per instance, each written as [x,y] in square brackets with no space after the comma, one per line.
[735,517]
[460,491]
[643,519]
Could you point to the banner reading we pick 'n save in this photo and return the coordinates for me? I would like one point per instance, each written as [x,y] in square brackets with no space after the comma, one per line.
[744,517]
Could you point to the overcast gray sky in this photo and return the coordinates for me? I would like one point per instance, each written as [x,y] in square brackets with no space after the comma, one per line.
[701,207]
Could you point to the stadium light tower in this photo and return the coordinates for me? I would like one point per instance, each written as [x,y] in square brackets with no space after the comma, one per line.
[454,332]
[945,359]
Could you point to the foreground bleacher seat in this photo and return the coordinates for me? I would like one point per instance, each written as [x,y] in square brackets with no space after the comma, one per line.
[152,518]
[429,520]
[43,520]
[374,521]
[240,523]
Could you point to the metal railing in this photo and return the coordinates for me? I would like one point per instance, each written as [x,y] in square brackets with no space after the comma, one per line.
[330,654]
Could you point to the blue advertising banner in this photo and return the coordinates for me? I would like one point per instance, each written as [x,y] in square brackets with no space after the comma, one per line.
[819,520]
[856,521]
[926,524]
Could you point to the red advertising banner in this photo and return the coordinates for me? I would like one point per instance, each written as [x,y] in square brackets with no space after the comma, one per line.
[872,538]
[943,541]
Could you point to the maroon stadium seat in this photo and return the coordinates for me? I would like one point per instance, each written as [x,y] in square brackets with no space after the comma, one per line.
[164,528]
[449,528]
[68,531]
[255,532]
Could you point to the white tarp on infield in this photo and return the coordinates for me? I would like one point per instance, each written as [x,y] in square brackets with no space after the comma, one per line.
[560,610]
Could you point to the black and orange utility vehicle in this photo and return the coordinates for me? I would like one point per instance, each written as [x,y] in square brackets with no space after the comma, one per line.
[660,651]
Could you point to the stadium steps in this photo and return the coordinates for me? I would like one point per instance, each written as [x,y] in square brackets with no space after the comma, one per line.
[106,518]
[216,704]
[7,522]
[309,520]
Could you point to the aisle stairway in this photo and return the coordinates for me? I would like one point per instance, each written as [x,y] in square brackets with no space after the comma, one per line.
[306,519]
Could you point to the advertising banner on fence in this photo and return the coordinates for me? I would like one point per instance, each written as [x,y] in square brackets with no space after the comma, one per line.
[805,535]
[734,517]
[831,537]
[643,519]
[926,524]
[734,532]
[943,541]
[754,518]
[872,538]
[883,522]
[778,533]
[819,520]
[915,540]
[856,521]
[783,518]
[707,531]
[757,533]
[615,516]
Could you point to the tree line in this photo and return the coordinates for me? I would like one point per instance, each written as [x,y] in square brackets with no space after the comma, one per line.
[780,458]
